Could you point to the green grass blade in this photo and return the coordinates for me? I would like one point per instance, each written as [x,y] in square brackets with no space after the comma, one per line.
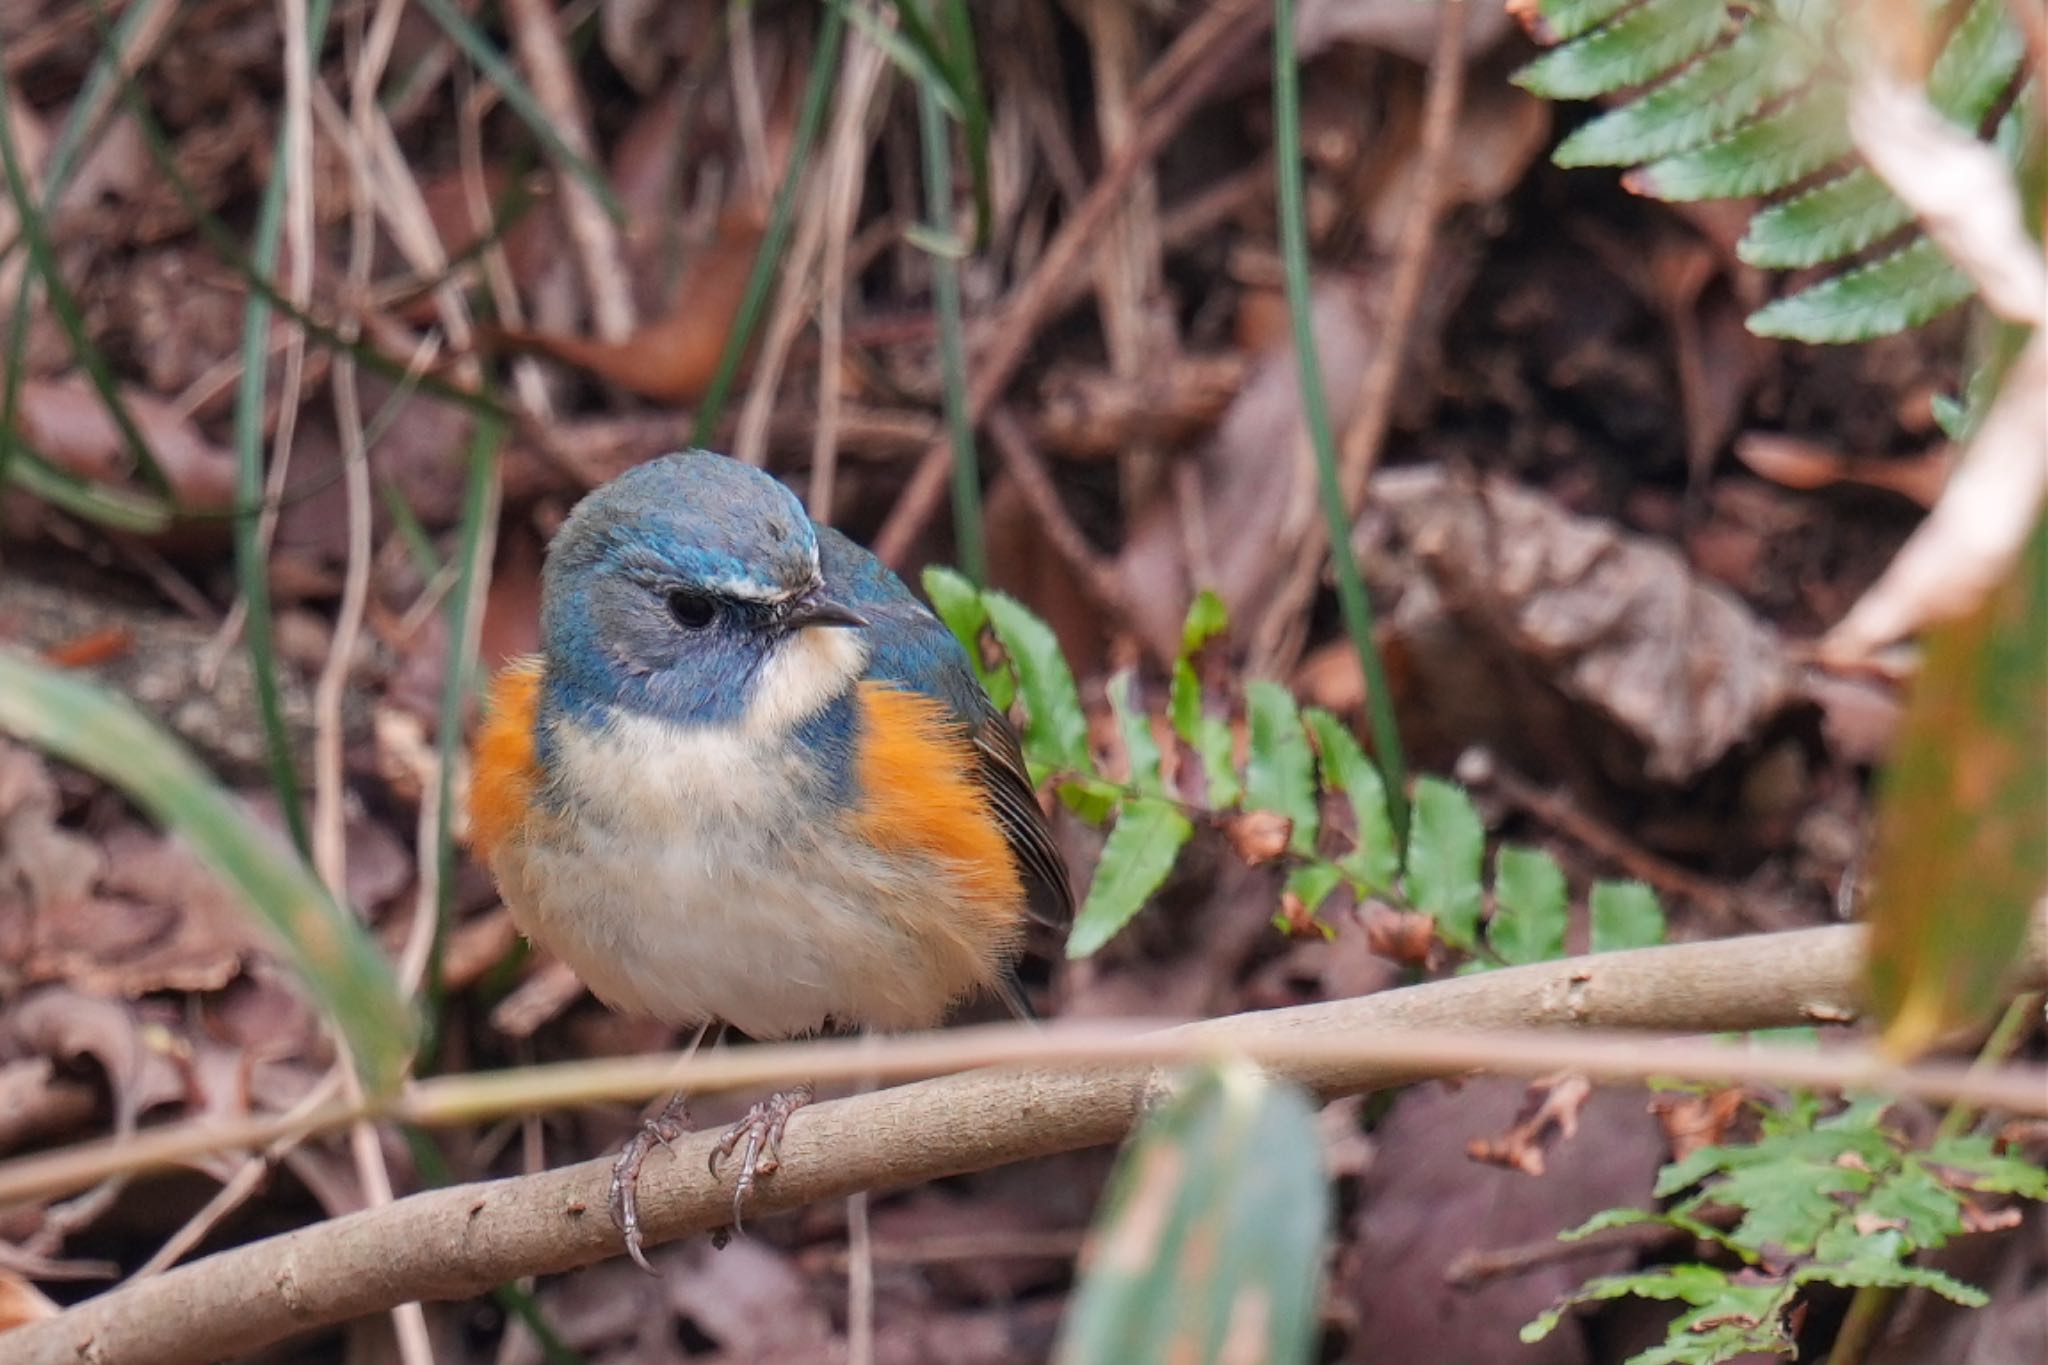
[64,303]
[117,509]
[1351,596]
[1208,1246]
[938,189]
[817,93]
[83,723]
[251,571]
[498,71]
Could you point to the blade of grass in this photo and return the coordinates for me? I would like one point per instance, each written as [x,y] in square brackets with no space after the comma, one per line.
[115,508]
[938,189]
[1351,596]
[974,101]
[817,94]
[83,723]
[498,71]
[72,140]
[479,508]
[63,303]
[251,572]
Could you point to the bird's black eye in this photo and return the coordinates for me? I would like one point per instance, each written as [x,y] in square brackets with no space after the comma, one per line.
[691,610]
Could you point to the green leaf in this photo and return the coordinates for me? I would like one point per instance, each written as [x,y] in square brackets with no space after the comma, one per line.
[1376,862]
[1960,860]
[1141,851]
[1644,42]
[1135,725]
[958,603]
[1445,849]
[1207,735]
[1901,290]
[1207,618]
[1209,1243]
[1977,64]
[1557,20]
[1280,771]
[1832,220]
[1532,906]
[1721,90]
[1057,736]
[1798,138]
[84,724]
[1625,915]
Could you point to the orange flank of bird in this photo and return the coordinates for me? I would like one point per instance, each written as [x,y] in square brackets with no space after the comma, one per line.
[505,771]
[917,792]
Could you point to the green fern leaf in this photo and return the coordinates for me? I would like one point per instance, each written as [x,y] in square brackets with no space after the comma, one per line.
[1716,93]
[1826,223]
[1977,64]
[1641,45]
[1557,21]
[1806,133]
[1902,290]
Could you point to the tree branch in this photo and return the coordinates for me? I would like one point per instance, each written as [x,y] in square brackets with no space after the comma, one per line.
[458,1242]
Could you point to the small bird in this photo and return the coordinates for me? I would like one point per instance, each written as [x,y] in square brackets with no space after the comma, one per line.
[750,780]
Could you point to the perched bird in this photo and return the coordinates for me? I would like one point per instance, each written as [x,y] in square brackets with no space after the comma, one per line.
[751,780]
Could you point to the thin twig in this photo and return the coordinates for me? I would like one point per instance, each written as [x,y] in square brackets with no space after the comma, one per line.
[546,60]
[1093,571]
[1206,51]
[457,1242]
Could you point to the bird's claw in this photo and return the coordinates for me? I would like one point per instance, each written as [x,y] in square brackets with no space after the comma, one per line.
[624,1200]
[761,1134]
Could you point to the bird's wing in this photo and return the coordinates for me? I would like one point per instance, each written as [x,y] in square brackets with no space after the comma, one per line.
[1002,775]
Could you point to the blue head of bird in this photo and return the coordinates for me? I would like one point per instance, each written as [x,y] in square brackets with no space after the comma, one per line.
[690,589]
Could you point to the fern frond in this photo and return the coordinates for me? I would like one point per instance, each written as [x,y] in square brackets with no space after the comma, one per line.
[1716,93]
[1902,290]
[1792,142]
[1644,43]
[1740,98]
[1826,223]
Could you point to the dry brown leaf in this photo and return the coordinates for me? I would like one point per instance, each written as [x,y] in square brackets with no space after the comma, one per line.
[1549,1114]
[22,1302]
[1404,936]
[1258,836]
[68,424]
[1797,462]
[1694,1121]
[1530,626]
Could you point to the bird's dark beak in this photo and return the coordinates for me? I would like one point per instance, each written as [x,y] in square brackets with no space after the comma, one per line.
[819,607]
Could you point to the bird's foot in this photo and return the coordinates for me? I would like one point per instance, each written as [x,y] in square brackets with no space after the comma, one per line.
[758,1138]
[659,1131]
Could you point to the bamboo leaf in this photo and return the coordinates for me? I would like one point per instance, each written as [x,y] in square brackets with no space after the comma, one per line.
[1140,852]
[1280,772]
[1446,846]
[1532,906]
[83,723]
[1960,860]
[1625,915]
[1209,1243]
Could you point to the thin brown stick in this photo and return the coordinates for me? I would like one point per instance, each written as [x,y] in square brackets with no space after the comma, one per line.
[538,37]
[455,1243]
[1205,50]
[1093,570]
